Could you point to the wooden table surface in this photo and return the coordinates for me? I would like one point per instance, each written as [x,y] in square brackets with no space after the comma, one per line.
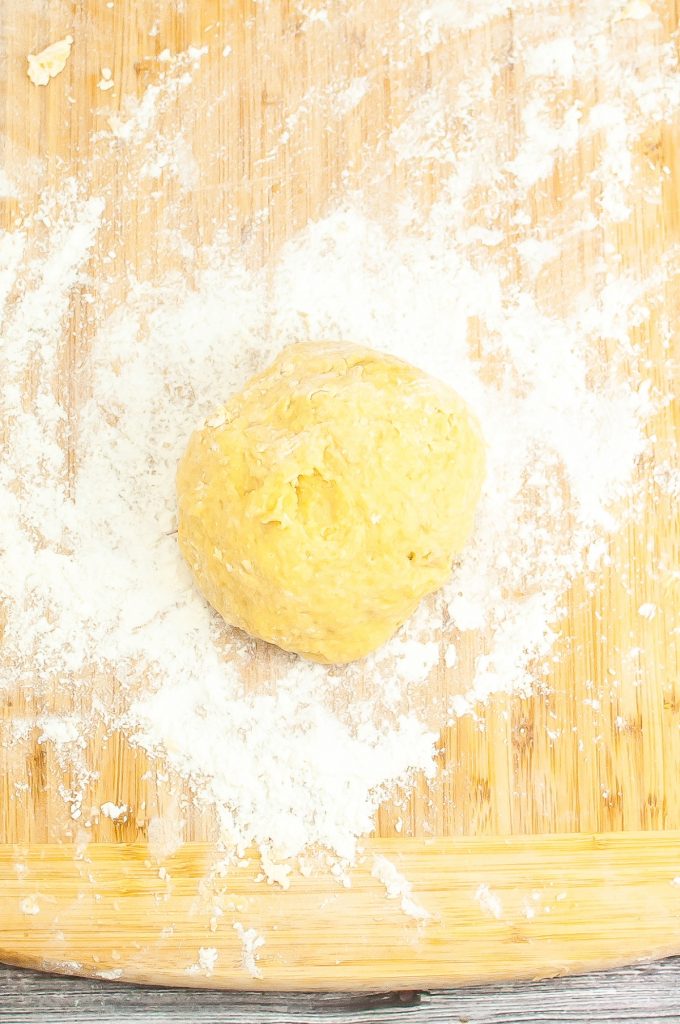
[648,993]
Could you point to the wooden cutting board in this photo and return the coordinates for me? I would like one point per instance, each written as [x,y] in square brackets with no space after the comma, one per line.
[555,846]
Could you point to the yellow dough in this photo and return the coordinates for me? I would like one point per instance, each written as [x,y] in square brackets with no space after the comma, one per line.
[319,505]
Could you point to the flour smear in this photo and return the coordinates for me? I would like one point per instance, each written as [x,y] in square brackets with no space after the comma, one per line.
[92,582]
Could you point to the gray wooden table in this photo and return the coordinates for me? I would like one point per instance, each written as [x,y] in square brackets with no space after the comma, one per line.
[649,993]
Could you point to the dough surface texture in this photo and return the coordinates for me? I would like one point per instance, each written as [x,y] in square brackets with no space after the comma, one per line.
[321,503]
[50,62]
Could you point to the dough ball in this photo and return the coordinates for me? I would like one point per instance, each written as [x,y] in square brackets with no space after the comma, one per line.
[319,505]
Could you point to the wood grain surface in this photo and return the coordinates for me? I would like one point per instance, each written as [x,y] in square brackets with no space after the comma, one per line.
[550,764]
[548,905]
[634,995]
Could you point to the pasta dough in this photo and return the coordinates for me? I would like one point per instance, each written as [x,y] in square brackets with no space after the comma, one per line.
[322,502]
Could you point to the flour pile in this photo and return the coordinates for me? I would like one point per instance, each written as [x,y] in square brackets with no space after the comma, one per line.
[291,754]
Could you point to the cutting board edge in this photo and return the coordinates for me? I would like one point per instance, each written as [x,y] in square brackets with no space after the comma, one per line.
[567,904]
[401,984]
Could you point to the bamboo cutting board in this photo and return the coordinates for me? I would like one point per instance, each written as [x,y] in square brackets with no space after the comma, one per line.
[541,855]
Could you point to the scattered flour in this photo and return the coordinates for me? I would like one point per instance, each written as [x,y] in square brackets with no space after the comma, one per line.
[112,975]
[635,10]
[49,62]
[59,729]
[114,811]
[251,942]
[7,187]
[91,579]
[489,901]
[106,81]
[29,906]
[398,887]
[164,836]
[348,97]
[275,874]
[205,964]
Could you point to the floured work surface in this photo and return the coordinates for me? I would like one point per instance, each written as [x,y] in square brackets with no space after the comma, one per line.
[489,193]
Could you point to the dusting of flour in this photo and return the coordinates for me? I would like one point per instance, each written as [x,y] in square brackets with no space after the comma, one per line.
[397,887]
[92,581]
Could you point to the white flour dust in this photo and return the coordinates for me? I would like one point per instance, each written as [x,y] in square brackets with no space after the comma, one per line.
[251,942]
[397,887]
[489,901]
[205,963]
[92,582]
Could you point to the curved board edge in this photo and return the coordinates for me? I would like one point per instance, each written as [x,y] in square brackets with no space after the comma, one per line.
[416,914]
